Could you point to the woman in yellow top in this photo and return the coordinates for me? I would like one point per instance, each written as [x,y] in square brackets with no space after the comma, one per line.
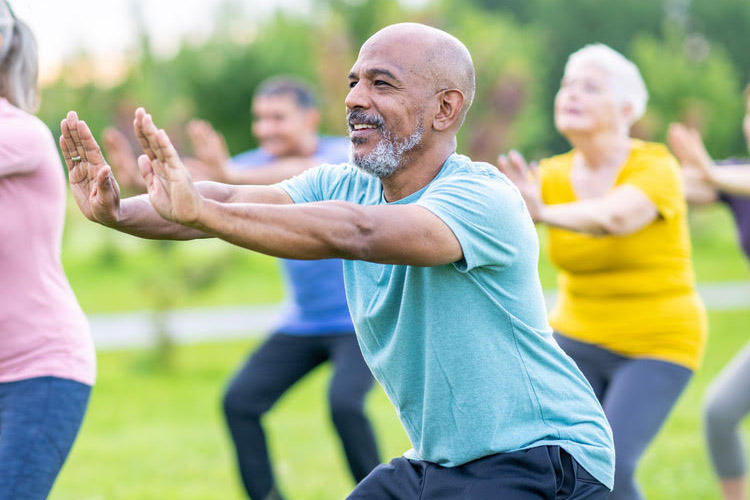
[628,312]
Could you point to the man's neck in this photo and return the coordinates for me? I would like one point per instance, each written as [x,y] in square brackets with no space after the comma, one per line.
[419,171]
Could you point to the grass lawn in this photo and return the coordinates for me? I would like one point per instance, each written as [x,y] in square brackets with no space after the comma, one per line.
[156,434]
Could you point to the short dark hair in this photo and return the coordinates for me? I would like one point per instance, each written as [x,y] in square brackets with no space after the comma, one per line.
[300,90]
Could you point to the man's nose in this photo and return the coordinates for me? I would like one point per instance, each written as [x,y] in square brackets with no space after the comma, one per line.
[357,97]
[262,128]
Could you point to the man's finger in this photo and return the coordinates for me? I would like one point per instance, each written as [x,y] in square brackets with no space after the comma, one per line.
[65,126]
[146,169]
[73,127]
[92,152]
[140,114]
[169,153]
[66,153]
[148,127]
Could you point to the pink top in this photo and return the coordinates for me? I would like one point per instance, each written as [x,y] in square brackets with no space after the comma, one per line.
[43,331]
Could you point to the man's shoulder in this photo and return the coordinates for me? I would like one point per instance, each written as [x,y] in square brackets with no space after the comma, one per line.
[252,158]
[477,176]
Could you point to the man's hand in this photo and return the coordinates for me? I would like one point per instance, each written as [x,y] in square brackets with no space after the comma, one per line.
[168,182]
[687,145]
[211,149]
[91,181]
[526,179]
[123,161]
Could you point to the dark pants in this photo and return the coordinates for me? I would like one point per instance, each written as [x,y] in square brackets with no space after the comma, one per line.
[39,420]
[636,395]
[274,367]
[541,473]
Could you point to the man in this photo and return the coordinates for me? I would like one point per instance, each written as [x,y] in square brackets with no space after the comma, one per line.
[440,272]
[315,326]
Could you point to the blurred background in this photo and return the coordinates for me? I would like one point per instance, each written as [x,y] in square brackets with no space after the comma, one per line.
[154,428]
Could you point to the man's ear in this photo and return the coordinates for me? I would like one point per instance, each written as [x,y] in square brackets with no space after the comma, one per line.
[450,103]
[312,119]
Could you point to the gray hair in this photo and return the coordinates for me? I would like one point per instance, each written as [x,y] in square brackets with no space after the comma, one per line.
[624,76]
[287,85]
[19,66]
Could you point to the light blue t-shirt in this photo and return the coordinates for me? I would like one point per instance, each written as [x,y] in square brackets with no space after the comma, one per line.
[316,300]
[464,350]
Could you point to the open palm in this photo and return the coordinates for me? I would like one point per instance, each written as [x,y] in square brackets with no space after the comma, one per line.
[91,181]
[170,187]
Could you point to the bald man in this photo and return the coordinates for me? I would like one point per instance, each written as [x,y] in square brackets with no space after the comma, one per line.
[440,267]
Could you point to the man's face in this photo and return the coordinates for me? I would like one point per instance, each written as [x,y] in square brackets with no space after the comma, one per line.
[385,110]
[280,125]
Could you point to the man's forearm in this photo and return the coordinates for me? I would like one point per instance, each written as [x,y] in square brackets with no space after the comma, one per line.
[309,231]
[138,217]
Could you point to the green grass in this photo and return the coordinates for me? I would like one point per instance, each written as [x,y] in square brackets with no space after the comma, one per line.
[155,434]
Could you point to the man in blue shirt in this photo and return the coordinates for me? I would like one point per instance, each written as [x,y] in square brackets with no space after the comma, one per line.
[440,272]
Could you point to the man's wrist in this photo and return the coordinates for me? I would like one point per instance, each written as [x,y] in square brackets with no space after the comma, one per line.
[202,214]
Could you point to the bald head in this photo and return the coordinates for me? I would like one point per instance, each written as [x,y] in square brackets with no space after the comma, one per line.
[440,58]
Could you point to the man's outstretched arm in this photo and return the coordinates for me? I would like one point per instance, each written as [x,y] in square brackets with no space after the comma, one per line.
[98,195]
[400,234]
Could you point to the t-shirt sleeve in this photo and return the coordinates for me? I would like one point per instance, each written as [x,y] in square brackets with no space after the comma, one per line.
[309,186]
[23,145]
[486,214]
[657,175]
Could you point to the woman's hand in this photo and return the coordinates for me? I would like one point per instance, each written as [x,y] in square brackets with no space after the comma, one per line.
[526,179]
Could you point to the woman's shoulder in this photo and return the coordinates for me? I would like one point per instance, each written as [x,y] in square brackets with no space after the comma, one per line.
[19,125]
[559,161]
[646,151]
[556,167]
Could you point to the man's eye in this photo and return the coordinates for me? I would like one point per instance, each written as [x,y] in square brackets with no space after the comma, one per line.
[380,83]
[352,84]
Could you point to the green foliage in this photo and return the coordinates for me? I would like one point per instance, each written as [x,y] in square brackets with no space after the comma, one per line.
[220,76]
[694,81]
[725,22]
[520,49]
[507,111]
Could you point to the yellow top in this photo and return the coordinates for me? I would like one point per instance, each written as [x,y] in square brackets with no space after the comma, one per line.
[635,294]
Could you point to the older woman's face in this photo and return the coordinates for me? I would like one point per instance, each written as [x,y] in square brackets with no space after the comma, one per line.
[586,102]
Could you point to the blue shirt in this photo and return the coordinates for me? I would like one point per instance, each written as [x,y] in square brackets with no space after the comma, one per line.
[316,300]
[464,350]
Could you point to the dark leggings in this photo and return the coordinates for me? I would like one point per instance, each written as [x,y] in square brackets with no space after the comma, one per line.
[273,368]
[39,420]
[637,396]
